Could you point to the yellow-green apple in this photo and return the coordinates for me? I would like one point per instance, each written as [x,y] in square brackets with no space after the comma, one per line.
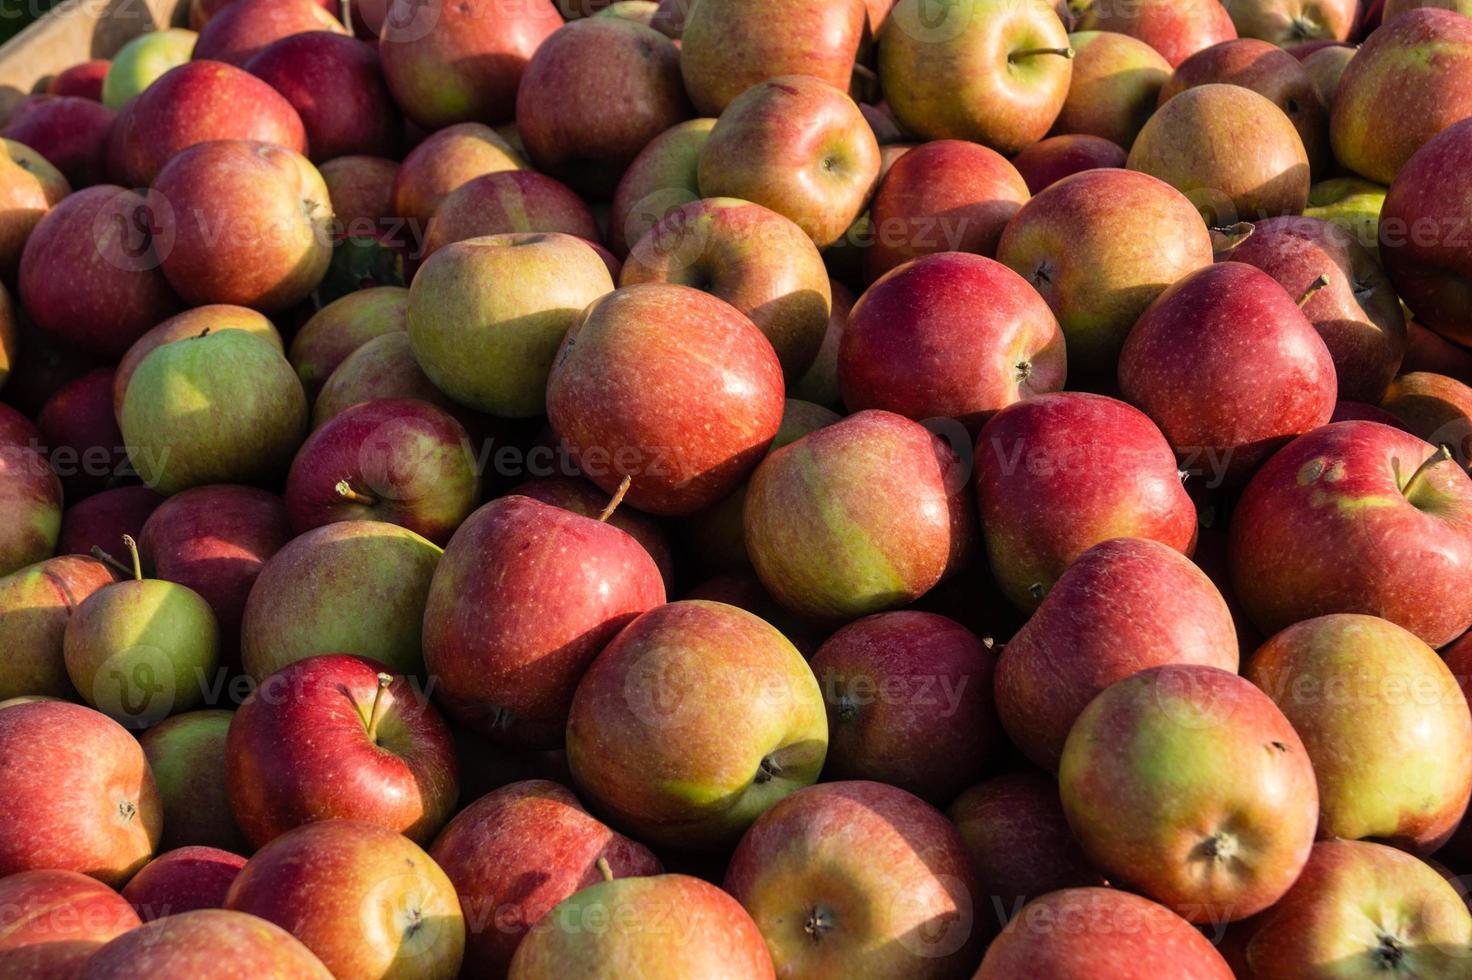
[753,258]
[732,45]
[186,754]
[1423,241]
[1175,28]
[1394,8]
[515,853]
[361,190]
[1115,86]
[1289,22]
[30,186]
[1230,150]
[360,116]
[898,350]
[664,176]
[1352,204]
[182,326]
[561,110]
[1326,67]
[909,703]
[1091,933]
[1050,160]
[1230,369]
[244,28]
[1219,841]
[858,879]
[89,273]
[1343,292]
[642,11]
[1409,81]
[1434,407]
[506,202]
[583,498]
[1099,247]
[447,159]
[80,433]
[76,793]
[798,146]
[193,103]
[819,384]
[1394,514]
[994,72]
[102,519]
[341,327]
[249,224]
[336,737]
[864,515]
[1427,351]
[70,132]
[1270,72]
[1124,605]
[525,597]
[140,62]
[660,927]
[383,368]
[453,61]
[219,408]
[30,492]
[1362,909]
[35,604]
[486,316]
[83,79]
[693,721]
[669,386]
[1059,473]
[350,585]
[183,880]
[206,942]
[55,920]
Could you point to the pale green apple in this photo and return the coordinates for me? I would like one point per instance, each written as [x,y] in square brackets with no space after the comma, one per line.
[142,60]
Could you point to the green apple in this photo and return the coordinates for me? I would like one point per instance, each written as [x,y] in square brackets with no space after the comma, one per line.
[187,756]
[1352,203]
[142,60]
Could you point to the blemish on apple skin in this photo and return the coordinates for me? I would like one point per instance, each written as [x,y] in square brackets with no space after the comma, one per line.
[1311,471]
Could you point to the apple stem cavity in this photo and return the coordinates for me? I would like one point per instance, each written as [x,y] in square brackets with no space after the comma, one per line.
[1313,287]
[1442,454]
[604,869]
[384,680]
[107,559]
[137,570]
[1017,56]
[615,500]
[346,492]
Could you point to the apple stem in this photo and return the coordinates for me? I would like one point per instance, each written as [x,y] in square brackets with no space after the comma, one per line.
[107,559]
[346,492]
[132,546]
[1313,287]
[384,680]
[1226,238]
[604,869]
[1442,454]
[1017,56]
[618,498]
[203,333]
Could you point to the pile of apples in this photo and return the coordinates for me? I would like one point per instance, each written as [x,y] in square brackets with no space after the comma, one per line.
[741,488]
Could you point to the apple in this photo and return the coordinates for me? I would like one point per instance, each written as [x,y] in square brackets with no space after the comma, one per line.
[515,853]
[1076,243]
[83,79]
[55,920]
[642,11]
[1394,8]
[1291,22]
[447,159]
[350,585]
[897,352]
[30,186]
[578,495]
[451,62]
[70,132]
[341,327]
[1326,68]
[360,117]
[753,258]
[798,146]
[239,417]
[186,754]
[80,433]
[1115,86]
[35,605]
[1360,411]
[732,45]
[864,515]
[1175,28]
[819,384]
[507,202]
[1393,516]
[663,177]
[244,28]
[213,942]
[1350,203]
[486,316]
[140,62]
[994,72]
[30,494]
[651,932]
[1083,933]
[76,793]
[182,326]
[1434,407]
[1427,351]
[183,880]
[101,520]
[361,191]
[1048,161]
[383,368]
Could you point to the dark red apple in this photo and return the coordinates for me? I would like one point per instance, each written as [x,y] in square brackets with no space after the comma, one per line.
[1048,161]
[102,519]
[55,920]
[71,133]
[83,80]
[82,438]
[183,880]
[244,28]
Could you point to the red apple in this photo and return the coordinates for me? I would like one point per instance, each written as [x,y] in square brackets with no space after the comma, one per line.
[80,432]
[1434,407]
[186,754]
[583,498]
[1115,86]
[447,159]
[70,132]
[55,920]
[222,945]
[83,80]
[819,384]
[1048,161]
[182,881]
[35,605]
[103,518]
[1175,28]
[505,202]
[361,190]
[1428,351]
[244,28]
[341,327]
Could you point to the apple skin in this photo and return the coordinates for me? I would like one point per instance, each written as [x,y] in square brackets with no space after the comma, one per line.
[183,880]
[620,390]
[1407,559]
[647,935]
[1356,313]
[1229,368]
[576,494]
[508,647]
[506,202]
[798,146]
[1352,203]
[1115,86]
[244,28]
[359,118]
[819,384]
[182,326]
[76,793]
[1357,906]
[864,515]
[1175,28]
[1424,254]
[55,920]
[401,776]
[753,258]
[1434,407]
[745,591]
[83,80]
[447,159]
[30,186]
[341,327]
[1392,9]
[664,176]
[1195,143]
[1288,23]
[898,350]
[517,852]
[80,433]
[29,491]
[361,190]
[186,754]
[69,132]
[1124,605]
[207,942]
[103,518]
[858,879]
[1059,473]
[1089,933]
[1427,351]
[35,604]
[1048,161]
[909,703]
[1099,247]
[450,62]
[383,368]
[78,241]
[1326,68]
[140,62]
